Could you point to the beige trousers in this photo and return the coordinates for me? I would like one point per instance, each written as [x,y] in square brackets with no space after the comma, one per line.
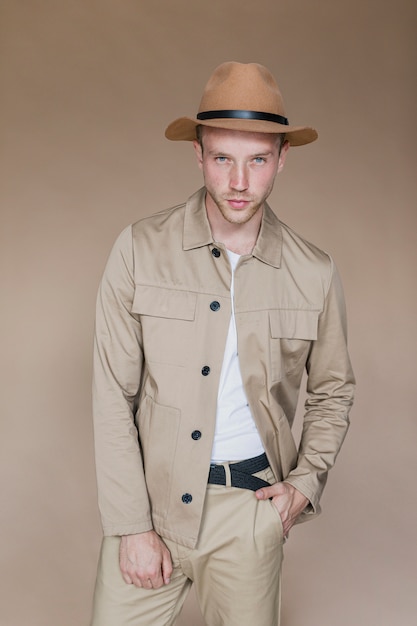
[235,567]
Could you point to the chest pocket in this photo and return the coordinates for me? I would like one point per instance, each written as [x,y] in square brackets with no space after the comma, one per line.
[291,334]
[166,316]
[163,302]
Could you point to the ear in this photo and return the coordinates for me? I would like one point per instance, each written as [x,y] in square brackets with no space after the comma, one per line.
[283,155]
[198,153]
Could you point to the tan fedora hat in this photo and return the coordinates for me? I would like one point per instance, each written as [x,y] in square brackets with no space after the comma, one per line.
[241,96]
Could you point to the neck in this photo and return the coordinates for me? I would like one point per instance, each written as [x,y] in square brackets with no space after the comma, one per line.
[238,246]
[237,237]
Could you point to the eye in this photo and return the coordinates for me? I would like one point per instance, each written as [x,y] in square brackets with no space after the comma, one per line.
[221,159]
[259,160]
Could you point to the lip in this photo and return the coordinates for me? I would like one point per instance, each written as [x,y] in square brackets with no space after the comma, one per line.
[238,204]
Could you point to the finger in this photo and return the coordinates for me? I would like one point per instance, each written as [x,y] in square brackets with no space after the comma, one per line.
[147,583]
[264,493]
[136,577]
[130,577]
[127,578]
[123,570]
[154,582]
[151,576]
[140,580]
[123,563]
[166,568]
[287,525]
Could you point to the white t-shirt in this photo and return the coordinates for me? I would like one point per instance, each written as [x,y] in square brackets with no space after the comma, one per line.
[236,436]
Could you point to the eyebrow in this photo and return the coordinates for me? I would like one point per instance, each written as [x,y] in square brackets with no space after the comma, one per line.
[262,154]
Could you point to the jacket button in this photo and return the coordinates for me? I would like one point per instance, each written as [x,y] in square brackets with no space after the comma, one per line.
[196,435]
[206,370]
[187,498]
[214,306]
[216,252]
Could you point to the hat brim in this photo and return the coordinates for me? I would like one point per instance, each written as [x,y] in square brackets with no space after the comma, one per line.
[184,129]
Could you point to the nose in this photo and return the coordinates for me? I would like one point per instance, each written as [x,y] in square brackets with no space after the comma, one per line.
[239,180]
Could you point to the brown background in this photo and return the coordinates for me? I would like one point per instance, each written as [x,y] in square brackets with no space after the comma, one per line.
[87,89]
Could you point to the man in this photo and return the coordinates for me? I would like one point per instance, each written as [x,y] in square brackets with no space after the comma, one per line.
[208,313]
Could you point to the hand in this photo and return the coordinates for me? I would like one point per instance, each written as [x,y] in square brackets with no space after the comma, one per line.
[289,502]
[145,561]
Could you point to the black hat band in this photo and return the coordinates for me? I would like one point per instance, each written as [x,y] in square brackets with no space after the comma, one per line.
[243,115]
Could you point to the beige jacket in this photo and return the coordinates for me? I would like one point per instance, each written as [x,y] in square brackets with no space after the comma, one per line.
[163,313]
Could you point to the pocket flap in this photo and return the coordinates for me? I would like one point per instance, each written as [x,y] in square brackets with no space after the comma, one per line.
[162,302]
[293,324]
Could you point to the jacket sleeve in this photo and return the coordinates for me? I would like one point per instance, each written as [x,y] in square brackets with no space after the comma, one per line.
[117,366]
[330,389]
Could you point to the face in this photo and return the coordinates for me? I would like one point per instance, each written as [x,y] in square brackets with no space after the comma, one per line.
[239,170]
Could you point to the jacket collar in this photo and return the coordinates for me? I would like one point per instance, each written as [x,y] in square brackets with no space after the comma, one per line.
[197,232]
